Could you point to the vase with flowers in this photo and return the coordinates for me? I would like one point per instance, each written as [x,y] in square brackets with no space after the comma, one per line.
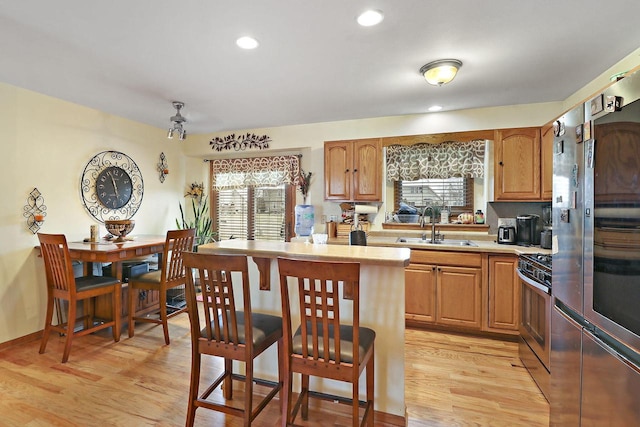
[304,213]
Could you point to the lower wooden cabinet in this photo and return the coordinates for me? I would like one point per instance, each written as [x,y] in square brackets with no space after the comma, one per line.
[444,288]
[504,294]
[463,291]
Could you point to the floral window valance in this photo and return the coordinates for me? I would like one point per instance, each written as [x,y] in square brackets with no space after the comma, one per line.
[231,174]
[444,160]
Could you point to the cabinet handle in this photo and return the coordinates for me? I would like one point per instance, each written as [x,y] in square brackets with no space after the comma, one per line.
[346,171]
[355,170]
[501,164]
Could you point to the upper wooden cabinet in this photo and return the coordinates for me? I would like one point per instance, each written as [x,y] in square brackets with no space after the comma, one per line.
[518,160]
[546,159]
[353,170]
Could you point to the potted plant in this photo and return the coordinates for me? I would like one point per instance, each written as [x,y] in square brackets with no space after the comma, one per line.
[200,220]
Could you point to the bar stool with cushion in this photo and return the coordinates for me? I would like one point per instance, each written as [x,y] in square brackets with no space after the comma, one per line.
[170,275]
[61,284]
[322,345]
[225,331]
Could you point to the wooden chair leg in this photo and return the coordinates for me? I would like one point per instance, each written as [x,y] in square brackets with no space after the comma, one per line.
[163,314]
[248,393]
[371,387]
[305,399]
[355,404]
[47,325]
[281,373]
[227,385]
[117,311]
[286,398]
[193,387]
[133,295]
[71,320]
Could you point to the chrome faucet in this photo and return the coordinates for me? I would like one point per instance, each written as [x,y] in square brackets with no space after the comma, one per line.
[433,223]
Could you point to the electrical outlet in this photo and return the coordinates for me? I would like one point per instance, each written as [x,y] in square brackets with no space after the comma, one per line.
[323,219]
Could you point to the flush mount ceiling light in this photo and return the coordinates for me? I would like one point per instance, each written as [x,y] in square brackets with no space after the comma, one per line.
[247,42]
[441,71]
[176,122]
[370,18]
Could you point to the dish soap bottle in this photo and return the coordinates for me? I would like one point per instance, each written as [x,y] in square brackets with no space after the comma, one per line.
[479,217]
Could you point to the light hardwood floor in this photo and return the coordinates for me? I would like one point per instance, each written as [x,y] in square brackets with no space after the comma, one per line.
[451,380]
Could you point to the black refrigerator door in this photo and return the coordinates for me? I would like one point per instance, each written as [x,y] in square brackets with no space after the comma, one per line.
[610,386]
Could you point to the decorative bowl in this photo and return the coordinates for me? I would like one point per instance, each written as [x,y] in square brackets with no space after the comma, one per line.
[119,228]
[466,218]
[408,218]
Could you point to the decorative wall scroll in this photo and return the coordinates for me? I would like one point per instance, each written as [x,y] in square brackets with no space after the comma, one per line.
[35,211]
[163,167]
[242,142]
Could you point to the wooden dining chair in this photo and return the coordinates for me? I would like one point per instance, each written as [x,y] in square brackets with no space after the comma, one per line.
[323,346]
[171,274]
[228,330]
[63,285]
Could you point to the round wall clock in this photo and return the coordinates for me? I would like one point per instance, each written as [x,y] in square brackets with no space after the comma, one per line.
[111,186]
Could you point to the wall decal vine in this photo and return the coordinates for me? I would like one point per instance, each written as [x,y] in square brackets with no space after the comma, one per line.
[242,142]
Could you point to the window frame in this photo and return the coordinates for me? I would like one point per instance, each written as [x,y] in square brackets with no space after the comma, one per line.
[455,210]
[290,197]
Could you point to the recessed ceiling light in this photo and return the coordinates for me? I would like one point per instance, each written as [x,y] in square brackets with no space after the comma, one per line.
[370,18]
[434,108]
[247,42]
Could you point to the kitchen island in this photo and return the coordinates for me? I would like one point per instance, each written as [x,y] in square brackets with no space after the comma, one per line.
[381,308]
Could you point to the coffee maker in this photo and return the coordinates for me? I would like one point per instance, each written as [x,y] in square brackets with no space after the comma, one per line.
[547,229]
[528,230]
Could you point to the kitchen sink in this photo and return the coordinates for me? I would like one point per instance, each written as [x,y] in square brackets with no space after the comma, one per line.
[452,242]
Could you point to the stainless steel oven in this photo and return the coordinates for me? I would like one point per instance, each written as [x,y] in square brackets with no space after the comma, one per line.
[534,347]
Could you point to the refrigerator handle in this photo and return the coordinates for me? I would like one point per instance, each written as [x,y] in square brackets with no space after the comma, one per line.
[612,350]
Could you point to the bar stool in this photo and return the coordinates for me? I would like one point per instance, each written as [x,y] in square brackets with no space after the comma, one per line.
[322,346]
[62,284]
[170,275]
[227,332]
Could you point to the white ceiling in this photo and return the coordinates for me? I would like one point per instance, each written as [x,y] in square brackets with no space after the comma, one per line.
[131,58]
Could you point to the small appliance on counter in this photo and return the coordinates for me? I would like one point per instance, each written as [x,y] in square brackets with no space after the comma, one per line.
[527,230]
[507,231]
[547,229]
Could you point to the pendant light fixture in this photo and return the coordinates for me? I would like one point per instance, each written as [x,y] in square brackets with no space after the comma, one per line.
[176,122]
[441,71]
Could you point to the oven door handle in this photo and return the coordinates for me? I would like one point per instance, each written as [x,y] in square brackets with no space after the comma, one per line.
[534,284]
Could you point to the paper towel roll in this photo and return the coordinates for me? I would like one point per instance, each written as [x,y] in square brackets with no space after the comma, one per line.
[366,209]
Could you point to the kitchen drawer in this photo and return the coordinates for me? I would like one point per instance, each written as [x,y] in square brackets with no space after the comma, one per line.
[460,259]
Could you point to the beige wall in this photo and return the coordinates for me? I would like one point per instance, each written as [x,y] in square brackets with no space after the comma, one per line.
[46,142]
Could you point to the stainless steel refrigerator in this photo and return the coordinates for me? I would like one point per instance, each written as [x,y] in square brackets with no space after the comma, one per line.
[595,324]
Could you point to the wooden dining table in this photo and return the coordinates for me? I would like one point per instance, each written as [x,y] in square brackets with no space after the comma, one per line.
[110,251]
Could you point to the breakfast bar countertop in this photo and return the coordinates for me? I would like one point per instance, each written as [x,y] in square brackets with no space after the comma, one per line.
[376,255]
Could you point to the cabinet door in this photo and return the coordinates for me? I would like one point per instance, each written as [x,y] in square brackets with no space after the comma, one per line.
[459,296]
[419,285]
[546,159]
[338,161]
[517,164]
[504,293]
[367,170]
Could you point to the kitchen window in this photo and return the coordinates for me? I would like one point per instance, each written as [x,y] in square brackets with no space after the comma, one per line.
[455,193]
[436,174]
[253,198]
